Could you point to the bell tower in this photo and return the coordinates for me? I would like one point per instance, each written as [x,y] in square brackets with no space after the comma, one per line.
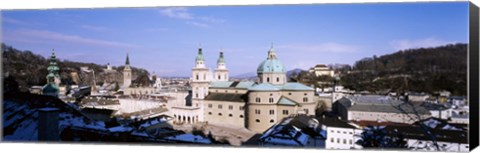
[127,74]
[221,72]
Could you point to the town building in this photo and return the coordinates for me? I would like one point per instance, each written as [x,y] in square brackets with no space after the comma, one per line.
[322,70]
[379,109]
[253,105]
[339,134]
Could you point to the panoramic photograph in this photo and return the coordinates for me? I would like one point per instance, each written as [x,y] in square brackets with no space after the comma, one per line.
[324,76]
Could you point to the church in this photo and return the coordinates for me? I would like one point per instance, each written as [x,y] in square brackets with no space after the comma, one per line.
[253,105]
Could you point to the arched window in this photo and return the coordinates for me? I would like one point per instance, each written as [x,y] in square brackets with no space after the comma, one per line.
[218,77]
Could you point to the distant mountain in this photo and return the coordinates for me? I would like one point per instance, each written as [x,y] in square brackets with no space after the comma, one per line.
[248,75]
[294,72]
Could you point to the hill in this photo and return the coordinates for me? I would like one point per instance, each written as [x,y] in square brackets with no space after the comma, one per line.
[422,70]
[30,69]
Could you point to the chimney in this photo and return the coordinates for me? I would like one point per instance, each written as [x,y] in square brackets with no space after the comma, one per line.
[48,124]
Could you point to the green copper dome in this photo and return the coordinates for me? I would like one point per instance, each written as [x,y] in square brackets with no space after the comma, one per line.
[271,64]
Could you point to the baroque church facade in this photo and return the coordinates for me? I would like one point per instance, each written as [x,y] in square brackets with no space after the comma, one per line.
[253,105]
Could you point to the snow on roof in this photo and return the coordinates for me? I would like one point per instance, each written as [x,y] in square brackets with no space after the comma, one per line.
[188,137]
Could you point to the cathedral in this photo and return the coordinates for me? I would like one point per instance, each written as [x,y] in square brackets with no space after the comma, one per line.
[253,105]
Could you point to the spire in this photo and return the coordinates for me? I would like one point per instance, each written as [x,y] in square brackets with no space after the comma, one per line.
[53,68]
[221,59]
[127,62]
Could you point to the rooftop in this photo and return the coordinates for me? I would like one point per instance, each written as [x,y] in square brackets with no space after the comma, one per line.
[227,97]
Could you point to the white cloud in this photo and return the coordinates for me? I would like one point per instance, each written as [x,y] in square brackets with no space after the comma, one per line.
[156,29]
[93,28]
[198,24]
[176,12]
[329,47]
[408,44]
[195,20]
[13,21]
[59,37]
[211,19]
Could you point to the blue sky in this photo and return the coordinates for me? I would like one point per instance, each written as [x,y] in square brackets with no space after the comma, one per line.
[165,39]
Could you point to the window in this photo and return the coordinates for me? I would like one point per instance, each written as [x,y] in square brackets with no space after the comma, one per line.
[241,116]
[209,113]
[271,121]
[285,112]
[272,112]
[338,140]
[241,108]
[219,114]
[344,132]
[209,105]
[218,77]
[289,93]
[230,107]
[219,106]
[268,79]
[344,141]
[204,77]
[226,91]
[305,99]
[257,120]
[349,132]
[257,111]
[305,94]
[278,79]
[257,99]
[196,77]
[196,95]
[332,140]
[350,141]
[230,115]
[306,110]
[270,100]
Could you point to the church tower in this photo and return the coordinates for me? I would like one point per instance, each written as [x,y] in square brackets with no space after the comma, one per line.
[221,72]
[200,78]
[271,70]
[53,78]
[127,74]
[53,75]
